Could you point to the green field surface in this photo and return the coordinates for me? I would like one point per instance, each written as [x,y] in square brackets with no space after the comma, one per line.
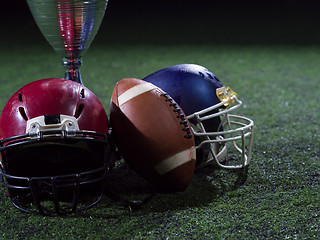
[271,61]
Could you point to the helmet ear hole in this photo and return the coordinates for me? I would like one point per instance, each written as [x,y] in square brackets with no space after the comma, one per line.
[23,113]
[79,111]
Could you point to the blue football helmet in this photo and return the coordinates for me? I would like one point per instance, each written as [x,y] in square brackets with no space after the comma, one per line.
[222,139]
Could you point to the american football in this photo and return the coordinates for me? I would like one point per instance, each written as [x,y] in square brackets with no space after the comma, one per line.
[152,134]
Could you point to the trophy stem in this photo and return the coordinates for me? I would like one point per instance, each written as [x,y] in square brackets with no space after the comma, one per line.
[72,69]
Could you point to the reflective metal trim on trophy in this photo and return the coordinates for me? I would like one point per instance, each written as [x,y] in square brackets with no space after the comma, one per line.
[69,26]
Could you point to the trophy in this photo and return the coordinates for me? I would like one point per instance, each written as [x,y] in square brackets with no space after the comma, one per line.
[69,26]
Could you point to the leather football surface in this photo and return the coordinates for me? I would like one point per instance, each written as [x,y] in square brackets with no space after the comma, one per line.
[152,134]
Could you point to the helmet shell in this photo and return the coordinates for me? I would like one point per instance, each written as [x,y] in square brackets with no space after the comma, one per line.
[192,86]
[52,96]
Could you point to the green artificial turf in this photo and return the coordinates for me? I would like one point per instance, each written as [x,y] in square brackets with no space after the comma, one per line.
[277,78]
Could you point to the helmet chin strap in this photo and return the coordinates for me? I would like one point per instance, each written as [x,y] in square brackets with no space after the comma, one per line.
[216,155]
[217,151]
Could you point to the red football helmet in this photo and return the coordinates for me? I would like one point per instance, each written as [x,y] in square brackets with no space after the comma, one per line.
[54,147]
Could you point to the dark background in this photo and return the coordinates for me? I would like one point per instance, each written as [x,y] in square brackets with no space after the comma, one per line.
[12,11]
[229,21]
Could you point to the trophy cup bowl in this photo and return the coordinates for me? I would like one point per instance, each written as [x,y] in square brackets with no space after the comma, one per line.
[69,26]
